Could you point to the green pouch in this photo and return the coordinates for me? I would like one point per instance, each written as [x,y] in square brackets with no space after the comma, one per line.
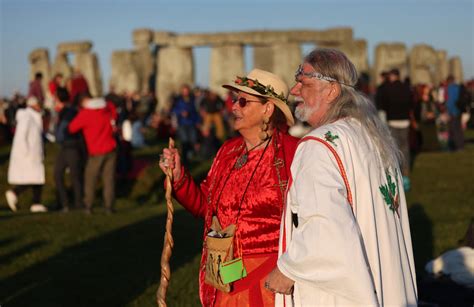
[232,270]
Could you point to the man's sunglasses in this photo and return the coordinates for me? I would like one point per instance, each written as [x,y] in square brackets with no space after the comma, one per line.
[243,101]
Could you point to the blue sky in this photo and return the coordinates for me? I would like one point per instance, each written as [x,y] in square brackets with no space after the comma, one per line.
[29,24]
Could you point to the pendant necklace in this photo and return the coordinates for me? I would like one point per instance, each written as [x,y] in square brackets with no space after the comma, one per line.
[242,160]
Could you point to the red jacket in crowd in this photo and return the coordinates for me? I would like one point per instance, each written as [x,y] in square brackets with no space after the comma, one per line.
[97,127]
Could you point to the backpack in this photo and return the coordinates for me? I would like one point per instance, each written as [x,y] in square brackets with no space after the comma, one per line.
[65,118]
[61,131]
[463,99]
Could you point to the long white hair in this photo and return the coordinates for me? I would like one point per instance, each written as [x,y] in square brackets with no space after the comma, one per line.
[352,103]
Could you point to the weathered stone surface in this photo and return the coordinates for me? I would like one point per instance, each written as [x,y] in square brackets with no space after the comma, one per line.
[124,76]
[75,47]
[142,37]
[62,66]
[423,63]
[175,67]
[389,56]
[227,62]
[443,66]
[163,38]
[253,37]
[39,53]
[286,58]
[355,50]
[455,69]
[39,62]
[144,64]
[88,64]
[263,57]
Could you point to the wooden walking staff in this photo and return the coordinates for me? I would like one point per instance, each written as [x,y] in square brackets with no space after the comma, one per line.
[168,240]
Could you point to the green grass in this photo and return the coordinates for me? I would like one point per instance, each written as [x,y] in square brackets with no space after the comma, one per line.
[56,259]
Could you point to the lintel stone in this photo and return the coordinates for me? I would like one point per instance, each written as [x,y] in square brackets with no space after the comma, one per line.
[253,37]
[75,47]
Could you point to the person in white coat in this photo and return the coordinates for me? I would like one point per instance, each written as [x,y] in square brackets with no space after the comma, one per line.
[26,167]
[345,237]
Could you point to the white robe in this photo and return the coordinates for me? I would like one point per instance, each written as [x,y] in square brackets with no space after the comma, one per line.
[26,157]
[338,255]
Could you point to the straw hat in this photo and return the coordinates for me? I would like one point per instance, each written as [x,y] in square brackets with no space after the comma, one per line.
[267,85]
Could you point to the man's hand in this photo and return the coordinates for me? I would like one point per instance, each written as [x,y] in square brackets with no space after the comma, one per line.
[279,283]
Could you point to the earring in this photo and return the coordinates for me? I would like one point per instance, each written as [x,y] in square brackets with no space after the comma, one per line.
[264,126]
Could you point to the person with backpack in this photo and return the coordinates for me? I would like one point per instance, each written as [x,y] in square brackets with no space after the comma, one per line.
[71,154]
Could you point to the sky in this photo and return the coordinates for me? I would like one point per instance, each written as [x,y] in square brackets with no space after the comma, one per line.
[29,24]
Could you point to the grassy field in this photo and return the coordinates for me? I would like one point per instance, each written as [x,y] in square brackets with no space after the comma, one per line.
[57,259]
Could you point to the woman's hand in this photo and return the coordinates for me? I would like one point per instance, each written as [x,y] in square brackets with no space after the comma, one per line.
[171,158]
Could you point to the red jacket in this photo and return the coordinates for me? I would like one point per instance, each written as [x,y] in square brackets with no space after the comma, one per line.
[96,126]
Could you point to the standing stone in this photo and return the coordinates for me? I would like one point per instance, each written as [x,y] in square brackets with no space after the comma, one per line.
[356,52]
[175,67]
[88,64]
[443,66]
[389,56]
[142,38]
[263,57]
[62,66]
[39,62]
[143,59]
[124,76]
[455,69]
[227,62]
[286,58]
[423,64]
[143,65]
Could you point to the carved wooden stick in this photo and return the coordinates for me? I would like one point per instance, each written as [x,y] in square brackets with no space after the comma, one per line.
[168,240]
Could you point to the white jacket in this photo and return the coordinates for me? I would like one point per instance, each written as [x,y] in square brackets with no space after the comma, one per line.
[359,255]
[26,156]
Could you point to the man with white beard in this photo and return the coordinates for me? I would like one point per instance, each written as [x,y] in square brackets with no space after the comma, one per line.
[345,236]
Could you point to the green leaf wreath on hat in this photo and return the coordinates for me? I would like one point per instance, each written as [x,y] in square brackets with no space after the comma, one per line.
[259,87]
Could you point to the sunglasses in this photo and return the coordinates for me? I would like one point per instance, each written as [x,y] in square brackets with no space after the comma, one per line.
[243,101]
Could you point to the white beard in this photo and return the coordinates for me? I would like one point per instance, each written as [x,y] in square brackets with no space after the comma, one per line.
[303,112]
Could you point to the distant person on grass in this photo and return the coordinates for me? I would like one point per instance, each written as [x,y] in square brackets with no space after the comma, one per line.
[71,154]
[95,120]
[26,168]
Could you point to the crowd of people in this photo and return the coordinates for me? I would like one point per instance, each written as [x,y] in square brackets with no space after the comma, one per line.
[421,117]
[95,137]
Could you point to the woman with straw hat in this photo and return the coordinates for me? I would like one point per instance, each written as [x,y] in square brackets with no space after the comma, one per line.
[243,193]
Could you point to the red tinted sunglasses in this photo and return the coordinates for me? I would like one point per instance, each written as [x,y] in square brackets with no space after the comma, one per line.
[243,101]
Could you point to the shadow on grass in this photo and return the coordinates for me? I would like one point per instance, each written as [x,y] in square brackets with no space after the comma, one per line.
[149,186]
[110,270]
[422,236]
[7,258]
